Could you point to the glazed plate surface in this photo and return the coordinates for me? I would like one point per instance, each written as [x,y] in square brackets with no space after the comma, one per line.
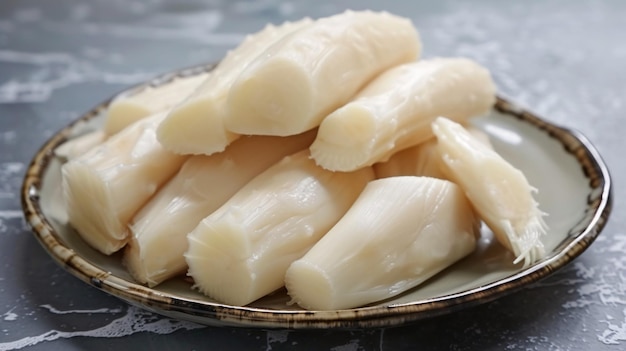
[573,186]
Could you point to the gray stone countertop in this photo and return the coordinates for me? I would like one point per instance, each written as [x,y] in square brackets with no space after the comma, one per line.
[563,59]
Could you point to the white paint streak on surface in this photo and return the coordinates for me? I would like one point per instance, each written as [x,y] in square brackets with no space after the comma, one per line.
[9,316]
[54,71]
[134,321]
[276,336]
[602,286]
[614,333]
[611,291]
[461,31]
[11,167]
[10,214]
[352,345]
[99,310]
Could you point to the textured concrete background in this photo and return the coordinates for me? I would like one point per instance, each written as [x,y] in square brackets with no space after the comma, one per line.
[564,59]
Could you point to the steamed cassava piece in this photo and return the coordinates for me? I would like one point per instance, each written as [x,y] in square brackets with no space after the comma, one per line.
[299,80]
[394,111]
[420,160]
[241,252]
[104,187]
[197,125]
[399,232]
[75,147]
[245,223]
[127,110]
[203,184]
[499,192]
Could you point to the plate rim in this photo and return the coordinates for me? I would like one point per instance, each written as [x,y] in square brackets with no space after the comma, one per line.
[213,313]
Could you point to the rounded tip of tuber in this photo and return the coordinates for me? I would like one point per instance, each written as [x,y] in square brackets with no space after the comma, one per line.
[309,286]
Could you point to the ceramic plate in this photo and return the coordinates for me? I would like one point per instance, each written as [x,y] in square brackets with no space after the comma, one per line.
[573,185]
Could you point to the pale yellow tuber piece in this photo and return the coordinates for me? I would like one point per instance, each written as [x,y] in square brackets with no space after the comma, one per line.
[420,160]
[399,232]
[197,125]
[499,192]
[395,111]
[126,110]
[104,187]
[241,252]
[299,80]
[159,231]
[79,145]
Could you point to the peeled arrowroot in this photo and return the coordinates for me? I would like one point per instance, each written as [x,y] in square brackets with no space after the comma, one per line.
[104,187]
[399,232]
[395,111]
[77,146]
[420,160]
[299,80]
[499,192]
[196,126]
[241,251]
[126,110]
[159,230]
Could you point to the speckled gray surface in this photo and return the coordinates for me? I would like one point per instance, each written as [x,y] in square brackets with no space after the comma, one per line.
[563,59]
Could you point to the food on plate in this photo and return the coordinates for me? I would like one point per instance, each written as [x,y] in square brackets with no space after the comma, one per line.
[499,192]
[77,146]
[159,230]
[395,110]
[420,160]
[296,82]
[104,187]
[240,252]
[230,180]
[399,232]
[196,126]
[127,109]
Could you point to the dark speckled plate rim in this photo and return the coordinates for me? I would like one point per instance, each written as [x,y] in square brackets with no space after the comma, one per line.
[599,205]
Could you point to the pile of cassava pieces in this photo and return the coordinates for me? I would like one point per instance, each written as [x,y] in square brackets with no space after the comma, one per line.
[320,155]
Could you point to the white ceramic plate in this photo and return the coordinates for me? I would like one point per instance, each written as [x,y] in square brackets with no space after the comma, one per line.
[574,189]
